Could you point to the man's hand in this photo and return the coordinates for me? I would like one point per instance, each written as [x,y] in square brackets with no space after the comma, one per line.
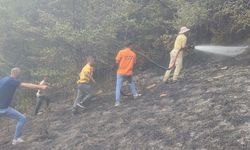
[94,81]
[190,46]
[44,87]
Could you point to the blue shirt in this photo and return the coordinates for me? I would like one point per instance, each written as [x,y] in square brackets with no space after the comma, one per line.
[8,86]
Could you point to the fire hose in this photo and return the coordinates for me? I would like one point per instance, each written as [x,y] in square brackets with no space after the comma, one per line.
[158,65]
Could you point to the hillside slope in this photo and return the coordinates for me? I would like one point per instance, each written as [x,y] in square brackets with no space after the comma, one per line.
[208,109]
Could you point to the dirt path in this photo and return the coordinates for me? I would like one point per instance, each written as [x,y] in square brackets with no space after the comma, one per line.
[207,109]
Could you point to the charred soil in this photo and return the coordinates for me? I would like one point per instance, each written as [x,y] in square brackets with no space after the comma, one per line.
[207,109]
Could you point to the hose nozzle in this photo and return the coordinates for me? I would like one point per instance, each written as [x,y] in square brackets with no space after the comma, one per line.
[190,46]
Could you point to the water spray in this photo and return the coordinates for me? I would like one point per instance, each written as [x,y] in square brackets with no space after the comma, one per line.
[221,50]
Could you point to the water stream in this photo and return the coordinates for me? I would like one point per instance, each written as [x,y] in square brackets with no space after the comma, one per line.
[222,50]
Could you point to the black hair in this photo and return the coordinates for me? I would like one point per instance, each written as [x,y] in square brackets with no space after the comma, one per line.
[129,44]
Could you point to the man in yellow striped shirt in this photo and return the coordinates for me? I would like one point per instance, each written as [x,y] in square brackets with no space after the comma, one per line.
[84,91]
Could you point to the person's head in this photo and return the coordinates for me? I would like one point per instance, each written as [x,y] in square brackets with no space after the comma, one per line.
[183,30]
[129,44]
[45,78]
[90,60]
[15,72]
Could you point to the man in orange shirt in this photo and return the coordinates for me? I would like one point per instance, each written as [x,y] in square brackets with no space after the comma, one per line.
[125,59]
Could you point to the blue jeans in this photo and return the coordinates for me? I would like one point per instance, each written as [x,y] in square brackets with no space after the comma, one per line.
[119,80]
[14,114]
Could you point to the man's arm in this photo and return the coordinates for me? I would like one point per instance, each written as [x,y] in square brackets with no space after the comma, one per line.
[118,58]
[33,86]
[184,44]
[42,82]
[90,77]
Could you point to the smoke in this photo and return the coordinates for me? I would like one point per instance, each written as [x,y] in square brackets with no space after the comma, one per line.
[222,50]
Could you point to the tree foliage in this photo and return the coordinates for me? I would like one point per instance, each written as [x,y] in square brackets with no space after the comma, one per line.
[53,37]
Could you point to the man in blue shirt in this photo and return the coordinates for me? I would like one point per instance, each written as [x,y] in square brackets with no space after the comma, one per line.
[8,86]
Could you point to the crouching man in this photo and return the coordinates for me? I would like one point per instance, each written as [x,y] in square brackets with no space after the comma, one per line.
[8,86]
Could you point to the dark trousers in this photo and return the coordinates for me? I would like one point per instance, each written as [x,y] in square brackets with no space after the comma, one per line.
[84,93]
[39,101]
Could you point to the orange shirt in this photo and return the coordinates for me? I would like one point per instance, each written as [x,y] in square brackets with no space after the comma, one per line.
[126,59]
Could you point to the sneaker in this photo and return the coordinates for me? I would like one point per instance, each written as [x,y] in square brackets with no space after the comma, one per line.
[17,141]
[117,104]
[173,81]
[39,113]
[136,96]
[81,106]
[166,82]
[74,111]
[81,103]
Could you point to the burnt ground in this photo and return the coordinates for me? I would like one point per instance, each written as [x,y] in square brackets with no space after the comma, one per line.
[208,109]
